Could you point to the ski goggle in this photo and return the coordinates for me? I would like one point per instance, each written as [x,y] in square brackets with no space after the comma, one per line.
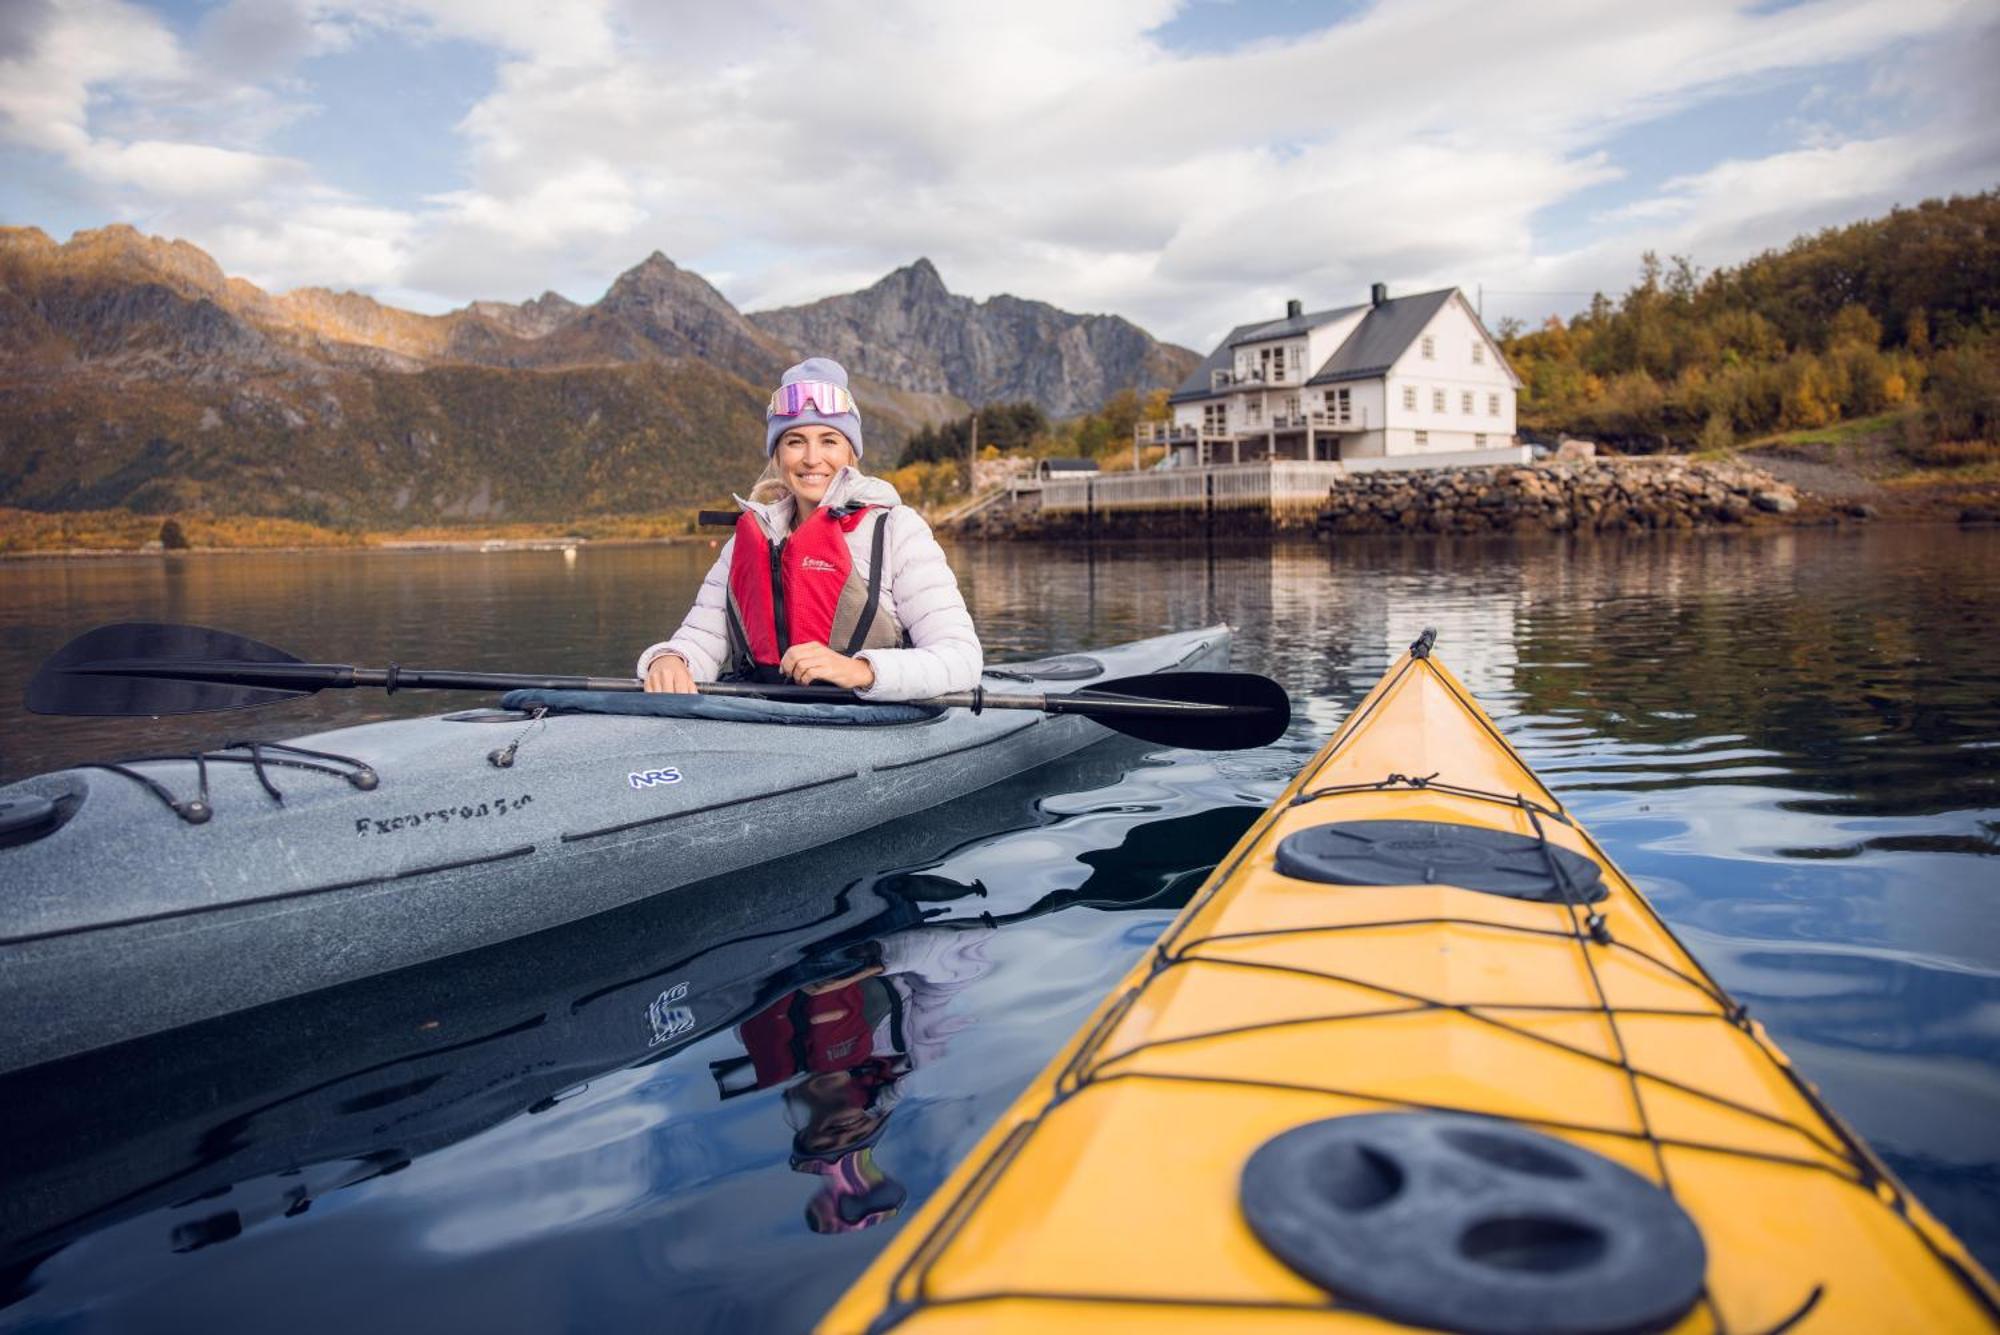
[823,396]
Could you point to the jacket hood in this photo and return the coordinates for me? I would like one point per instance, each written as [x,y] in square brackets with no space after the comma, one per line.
[850,486]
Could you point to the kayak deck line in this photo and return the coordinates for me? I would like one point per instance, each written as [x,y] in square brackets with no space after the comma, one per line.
[1112,1182]
[1031,720]
[683,812]
[199,910]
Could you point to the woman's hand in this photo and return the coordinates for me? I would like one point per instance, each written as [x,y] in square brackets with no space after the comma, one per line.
[811,662]
[669,675]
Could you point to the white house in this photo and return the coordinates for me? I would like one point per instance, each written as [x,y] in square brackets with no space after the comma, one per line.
[1416,375]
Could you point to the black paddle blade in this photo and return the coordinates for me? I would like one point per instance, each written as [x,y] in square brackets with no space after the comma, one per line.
[1249,710]
[63,685]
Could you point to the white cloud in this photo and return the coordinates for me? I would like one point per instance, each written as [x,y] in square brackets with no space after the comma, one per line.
[1050,149]
[324,242]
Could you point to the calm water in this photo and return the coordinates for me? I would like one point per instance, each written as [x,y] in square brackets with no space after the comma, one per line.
[1792,740]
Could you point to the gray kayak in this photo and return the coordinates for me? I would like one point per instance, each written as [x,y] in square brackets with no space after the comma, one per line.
[400,842]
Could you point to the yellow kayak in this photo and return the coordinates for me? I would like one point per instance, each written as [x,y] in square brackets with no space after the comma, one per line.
[1418,1055]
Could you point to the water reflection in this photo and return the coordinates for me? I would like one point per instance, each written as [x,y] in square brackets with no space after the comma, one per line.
[1791,740]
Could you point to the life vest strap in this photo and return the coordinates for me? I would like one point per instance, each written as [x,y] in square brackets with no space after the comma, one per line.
[877,541]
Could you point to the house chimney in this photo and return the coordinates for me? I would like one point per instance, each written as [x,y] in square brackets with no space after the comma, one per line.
[1294,309]
[1378,294]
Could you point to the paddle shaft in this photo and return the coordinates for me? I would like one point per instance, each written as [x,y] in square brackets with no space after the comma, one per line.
[306,677]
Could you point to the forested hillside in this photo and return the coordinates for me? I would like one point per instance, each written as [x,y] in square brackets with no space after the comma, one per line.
[1900,310]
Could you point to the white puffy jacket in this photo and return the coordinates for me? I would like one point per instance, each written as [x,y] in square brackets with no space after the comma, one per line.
[918,589]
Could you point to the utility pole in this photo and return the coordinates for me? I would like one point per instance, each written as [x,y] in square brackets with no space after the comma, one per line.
[972,456]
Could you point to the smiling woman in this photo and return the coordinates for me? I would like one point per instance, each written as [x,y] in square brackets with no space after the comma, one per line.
[829,578]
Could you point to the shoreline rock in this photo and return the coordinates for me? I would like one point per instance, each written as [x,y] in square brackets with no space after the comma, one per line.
[1559,496]
[1574,495]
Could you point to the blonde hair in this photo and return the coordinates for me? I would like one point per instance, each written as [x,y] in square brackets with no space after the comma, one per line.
[770,484]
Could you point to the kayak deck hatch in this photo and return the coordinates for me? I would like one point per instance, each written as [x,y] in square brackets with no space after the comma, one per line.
[1342,1096]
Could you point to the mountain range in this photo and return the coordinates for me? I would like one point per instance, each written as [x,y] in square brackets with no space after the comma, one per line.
[134,373]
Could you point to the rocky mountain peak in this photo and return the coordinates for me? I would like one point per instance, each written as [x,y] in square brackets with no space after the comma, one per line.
[920,280]
[121,252]
[910,331]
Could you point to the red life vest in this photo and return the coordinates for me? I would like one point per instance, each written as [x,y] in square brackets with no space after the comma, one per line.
[783,1040]
[806,588]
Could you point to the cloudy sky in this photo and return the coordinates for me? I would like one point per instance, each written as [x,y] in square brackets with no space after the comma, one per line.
[1187,163]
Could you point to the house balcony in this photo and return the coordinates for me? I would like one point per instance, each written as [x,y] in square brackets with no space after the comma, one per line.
[1164,433]
[1354,419]
[1173,433]
[1220,380]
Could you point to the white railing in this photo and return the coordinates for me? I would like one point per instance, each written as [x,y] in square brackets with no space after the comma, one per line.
[1266,484]
[1253,424]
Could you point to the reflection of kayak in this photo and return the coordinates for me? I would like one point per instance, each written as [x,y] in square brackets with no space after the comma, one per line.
[1417,1053]
[223,1128]
[399,842]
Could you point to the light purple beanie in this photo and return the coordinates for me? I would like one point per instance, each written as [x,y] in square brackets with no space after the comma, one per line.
[814,368]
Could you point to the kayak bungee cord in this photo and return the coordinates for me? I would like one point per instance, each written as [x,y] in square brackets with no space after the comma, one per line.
[197,810]
[914,1282]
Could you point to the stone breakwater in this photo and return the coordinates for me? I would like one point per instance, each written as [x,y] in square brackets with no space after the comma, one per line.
[1581,496]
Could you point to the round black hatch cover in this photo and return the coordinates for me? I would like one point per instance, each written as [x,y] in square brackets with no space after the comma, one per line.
[1063,667]
[1473,1224]
[25,814]
[1422,852]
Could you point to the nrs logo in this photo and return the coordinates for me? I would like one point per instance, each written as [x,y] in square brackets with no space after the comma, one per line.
[814,563]
[653,778]
[668,1019]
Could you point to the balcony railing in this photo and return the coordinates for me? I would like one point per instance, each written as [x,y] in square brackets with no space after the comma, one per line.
[1165,433]
[1174,433]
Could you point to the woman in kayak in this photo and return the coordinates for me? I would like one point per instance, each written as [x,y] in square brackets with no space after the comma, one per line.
[829,578]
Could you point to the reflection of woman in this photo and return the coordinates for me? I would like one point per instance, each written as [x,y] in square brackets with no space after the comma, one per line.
[830,578]
[854,1038]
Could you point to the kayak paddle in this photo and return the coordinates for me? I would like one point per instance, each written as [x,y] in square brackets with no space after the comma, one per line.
[150,669]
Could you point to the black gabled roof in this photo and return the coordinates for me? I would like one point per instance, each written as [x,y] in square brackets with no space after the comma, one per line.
[1060,465]
[1289,326]
[1383,336]
[1196,386]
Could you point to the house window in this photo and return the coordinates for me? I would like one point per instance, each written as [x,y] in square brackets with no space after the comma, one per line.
[1492,405]
[1437,400]
[1430,348]
[1410,397]
[1272,362]
[1478,353]
[1340,403]
[1290,407]
[1214,418]
[1423,439]
[1479,440]
[1465,402]
[1218,378]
